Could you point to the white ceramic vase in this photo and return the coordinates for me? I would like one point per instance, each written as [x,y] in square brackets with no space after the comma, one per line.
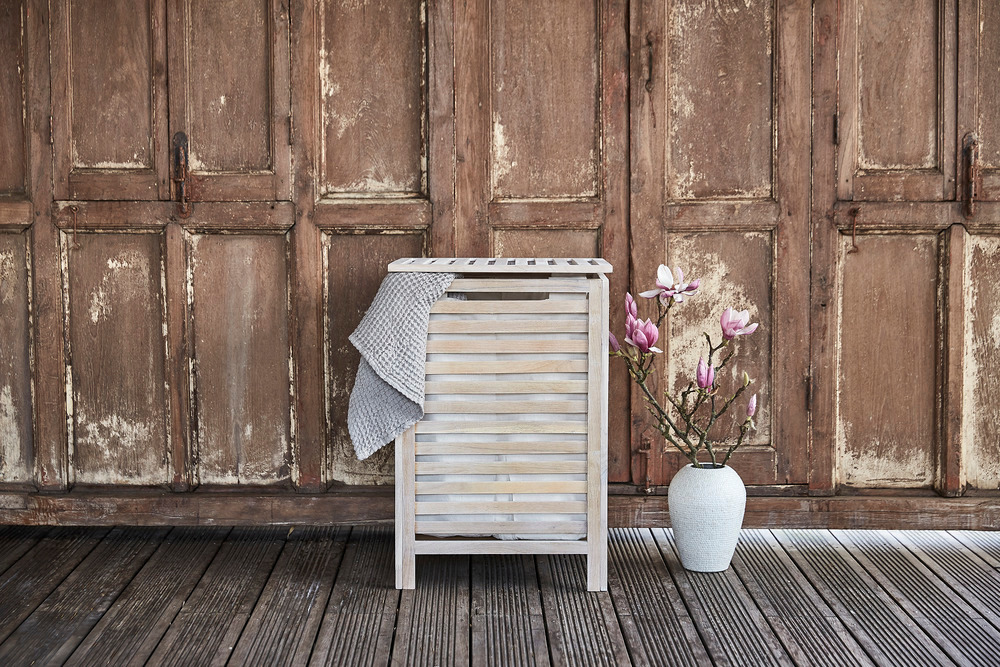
[706,513]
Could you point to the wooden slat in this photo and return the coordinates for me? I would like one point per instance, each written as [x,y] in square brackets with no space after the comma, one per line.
[286,618]
[503,367]
[575,325]
[501,507]
[503,346]
[881,627]
[501,265]
[213,616]
[15,541]
[501,427]
[134,625]
[541,307]
[429,448]
[597,437]
[950,621]
[37,573]
[498,285]
[357,625]
[502,468]
[444,488]
[727,618]
[405,567]
[505,407]
[501,527]
[508,626]
[491,546]
[437,387]
[57,626]
[432,626]
[582,627]
[808,629]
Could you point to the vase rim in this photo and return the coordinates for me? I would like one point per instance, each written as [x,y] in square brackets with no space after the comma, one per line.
[707,466]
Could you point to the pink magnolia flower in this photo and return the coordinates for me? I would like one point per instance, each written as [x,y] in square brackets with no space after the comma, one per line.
[630,308]
[705,374]
[734,323]
[667,288]
[613,342]
[752,406]
[643,336]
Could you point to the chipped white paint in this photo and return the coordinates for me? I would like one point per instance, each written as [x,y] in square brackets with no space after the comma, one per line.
[502,161]
[8,277]
[870,466]
[12,464]
[100,304]
[980,406]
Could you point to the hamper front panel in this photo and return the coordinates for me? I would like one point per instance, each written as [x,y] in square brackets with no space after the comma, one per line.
[502,449]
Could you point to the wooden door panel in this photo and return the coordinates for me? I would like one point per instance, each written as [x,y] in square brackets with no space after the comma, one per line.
[229,94]
[887,372]
[979,73]
[116,363]
[896,108]
[981,409]
[16,432]
[719,58]
[514,242]
[719,143]
[544,100]
[350,285]
[239,303]
[109,97]
[13,147]
[372,68]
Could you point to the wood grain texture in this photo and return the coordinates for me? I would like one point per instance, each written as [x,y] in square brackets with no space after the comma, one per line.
[719,64]
[13,98]
[527,242]
[981,405]
[350,287]
[372,69]
[980,76]
[16,423]
[432,624]
[888,438]
[115,329]
[544,99]
[241,358]
[507,624]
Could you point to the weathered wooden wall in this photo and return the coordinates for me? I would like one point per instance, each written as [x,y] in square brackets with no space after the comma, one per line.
[805,160]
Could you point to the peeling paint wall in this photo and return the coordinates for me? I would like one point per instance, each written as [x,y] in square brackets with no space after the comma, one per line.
[16,450]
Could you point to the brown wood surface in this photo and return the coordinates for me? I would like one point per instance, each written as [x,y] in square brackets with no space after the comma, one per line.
[241,358]
[981,405]
[116,367]
[979,77]
[13,98]
[16,428]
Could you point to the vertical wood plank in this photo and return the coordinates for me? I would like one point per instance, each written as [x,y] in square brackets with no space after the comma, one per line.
[951,479]
[597,436]
[432,627]
[507,624]
[405,508]
[16,433]
[472,135]
[441,126]
[178,357]
[13,133]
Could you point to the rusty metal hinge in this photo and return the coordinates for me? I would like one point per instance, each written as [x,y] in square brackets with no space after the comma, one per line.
[971,152]
[291,130]
[180,150]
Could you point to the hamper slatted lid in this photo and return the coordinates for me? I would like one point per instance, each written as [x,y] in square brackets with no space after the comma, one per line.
[502,265]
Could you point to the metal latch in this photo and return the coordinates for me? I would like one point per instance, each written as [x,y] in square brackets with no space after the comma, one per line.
[180,150]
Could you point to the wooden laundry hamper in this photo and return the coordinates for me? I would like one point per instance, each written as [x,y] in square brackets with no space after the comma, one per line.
[514,439]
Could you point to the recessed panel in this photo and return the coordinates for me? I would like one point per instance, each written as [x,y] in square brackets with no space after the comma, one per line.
[116,362]
[110,60]
[355,265]
[372,67]
[989,84]
[12,145]
[719,91]
[886,433]
[237,287]
[16,456]
[981,417]
[518,242]
[545,136]
[229,92]
[735,270]
[898,79]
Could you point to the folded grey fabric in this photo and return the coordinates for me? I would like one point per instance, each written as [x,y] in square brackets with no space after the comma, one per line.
[388,394]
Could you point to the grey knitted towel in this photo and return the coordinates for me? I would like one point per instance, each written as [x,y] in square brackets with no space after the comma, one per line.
[388,394]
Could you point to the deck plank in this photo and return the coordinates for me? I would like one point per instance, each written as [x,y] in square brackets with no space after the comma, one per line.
[808,628]
[508,625]
[16,540]
[732,627]
[582,626]
[26,583]
[357,627]
[212,619]
[63,619]
[880,626]
[130,630]
[959,629]
[432,627]
[284,623]
[655,623]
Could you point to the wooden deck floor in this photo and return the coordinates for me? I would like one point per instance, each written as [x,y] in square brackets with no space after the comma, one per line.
[325,596]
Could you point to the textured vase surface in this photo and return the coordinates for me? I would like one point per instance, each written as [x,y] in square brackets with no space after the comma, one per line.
[706,513]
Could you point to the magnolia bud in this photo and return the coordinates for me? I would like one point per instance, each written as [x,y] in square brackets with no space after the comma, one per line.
[746,379]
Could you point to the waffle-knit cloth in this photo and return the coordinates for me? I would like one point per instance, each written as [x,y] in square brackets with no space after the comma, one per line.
[388,393]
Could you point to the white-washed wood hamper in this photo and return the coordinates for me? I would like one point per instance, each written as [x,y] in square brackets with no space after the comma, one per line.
[511,455]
